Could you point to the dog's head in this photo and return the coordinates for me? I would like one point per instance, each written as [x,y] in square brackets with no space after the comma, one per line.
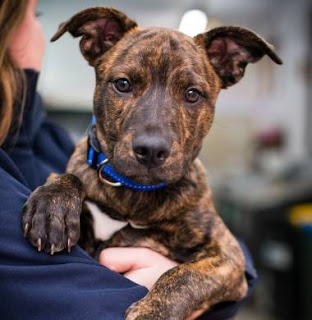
[156,88]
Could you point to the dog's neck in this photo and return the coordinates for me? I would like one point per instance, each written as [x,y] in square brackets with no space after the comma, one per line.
[152,207]
[140,207]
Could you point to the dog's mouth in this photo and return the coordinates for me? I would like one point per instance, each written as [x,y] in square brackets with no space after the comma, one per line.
[141,174]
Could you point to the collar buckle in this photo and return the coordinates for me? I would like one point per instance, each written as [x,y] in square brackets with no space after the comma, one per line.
[101,176]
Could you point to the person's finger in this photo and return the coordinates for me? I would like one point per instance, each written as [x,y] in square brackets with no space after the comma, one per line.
[116,259]
[145,277]
[124,259]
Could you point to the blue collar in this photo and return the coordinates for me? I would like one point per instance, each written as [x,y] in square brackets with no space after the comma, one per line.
[98,160]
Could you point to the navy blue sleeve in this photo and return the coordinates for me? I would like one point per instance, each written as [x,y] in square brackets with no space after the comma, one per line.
[35,285]
[41,146]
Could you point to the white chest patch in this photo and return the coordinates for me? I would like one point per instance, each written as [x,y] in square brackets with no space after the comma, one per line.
[104,226]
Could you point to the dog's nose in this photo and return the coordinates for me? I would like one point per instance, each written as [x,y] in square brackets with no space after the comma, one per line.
[151,151]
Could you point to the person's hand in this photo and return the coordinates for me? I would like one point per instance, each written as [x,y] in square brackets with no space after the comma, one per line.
[141,265]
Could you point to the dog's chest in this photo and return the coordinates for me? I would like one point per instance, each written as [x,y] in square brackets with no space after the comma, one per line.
[103,225]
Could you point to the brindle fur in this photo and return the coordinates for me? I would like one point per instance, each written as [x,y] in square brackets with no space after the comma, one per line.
[181,218]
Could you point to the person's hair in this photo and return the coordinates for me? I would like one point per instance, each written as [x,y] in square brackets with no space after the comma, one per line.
[11,81]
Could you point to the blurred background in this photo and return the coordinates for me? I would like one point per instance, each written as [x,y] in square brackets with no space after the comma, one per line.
[258,152]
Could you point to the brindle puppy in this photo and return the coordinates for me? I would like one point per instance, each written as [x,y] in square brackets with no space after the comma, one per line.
[154,103]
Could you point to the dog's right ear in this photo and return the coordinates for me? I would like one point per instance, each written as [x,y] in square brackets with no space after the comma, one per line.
[100,28]
[230,49]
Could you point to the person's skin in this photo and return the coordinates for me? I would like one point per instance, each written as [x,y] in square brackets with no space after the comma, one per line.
[27,44]
[141,265]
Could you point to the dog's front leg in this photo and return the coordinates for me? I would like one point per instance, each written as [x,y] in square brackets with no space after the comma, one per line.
[194,285]
[51,215]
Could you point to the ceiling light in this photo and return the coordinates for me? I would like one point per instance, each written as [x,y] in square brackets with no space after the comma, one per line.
[193,22]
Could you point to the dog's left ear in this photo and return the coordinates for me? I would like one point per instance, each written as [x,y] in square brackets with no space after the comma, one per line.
[100,27]
[230,49]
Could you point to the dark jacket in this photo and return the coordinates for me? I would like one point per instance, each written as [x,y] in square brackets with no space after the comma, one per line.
[66,286]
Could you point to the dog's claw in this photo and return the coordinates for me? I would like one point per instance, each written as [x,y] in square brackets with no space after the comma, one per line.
[26,229]
[69,245]
[52,249]
[39,244]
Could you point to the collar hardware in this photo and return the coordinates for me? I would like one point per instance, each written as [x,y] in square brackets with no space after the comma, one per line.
[101,175]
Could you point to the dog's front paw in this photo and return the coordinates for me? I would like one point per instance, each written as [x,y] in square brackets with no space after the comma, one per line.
[51,217]
[136,312]
[146,309]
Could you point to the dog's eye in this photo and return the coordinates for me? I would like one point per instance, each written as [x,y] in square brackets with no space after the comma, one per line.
[122,85]
[192,95]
